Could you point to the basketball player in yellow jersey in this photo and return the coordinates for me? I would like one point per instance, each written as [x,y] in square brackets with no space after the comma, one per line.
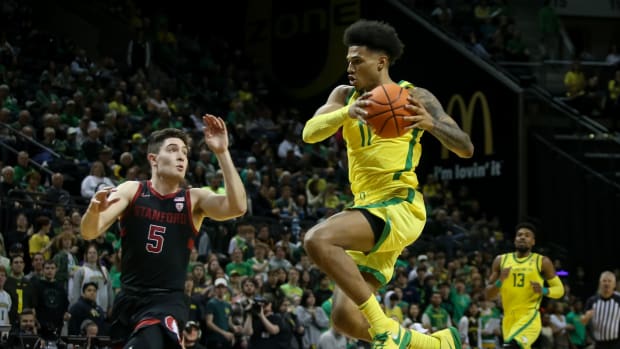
[519,278]
[357,248]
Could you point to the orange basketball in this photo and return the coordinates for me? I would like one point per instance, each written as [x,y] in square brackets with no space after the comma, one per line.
[388,104]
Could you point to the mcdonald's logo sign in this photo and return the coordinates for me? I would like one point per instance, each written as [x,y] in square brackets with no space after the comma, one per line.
[467,112]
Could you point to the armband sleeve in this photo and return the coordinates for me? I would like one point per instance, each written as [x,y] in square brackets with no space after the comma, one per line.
[556,288]
[322,126]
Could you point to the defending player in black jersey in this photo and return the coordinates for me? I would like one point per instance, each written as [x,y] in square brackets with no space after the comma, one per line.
[158,221]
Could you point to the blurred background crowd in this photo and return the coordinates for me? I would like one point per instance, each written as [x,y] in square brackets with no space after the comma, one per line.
[71,123]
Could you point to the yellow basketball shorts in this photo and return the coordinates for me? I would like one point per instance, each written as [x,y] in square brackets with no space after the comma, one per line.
[404,220]
[522,326]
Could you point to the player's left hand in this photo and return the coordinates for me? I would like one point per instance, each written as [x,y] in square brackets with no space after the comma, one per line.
[537,287]
[419,117]
[216,135]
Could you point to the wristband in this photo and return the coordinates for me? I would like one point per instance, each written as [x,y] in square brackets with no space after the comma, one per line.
[545,291]
[498,283]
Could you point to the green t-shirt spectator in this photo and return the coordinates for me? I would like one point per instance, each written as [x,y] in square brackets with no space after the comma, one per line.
[438,318]
[578,335]
[291,290]
[243,268]
[221,311]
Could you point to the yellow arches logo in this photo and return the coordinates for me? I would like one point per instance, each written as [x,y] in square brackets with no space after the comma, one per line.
[467,112]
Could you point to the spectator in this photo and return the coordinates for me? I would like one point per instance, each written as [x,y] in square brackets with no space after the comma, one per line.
[192,335]
[392,309]
[85,308]
[36,273]
[613,96]
[24,333]
[291,288]
[80,64]
[435,317]
[516,49]
[259,263]
[51,300]
[237,264]
[92,272]
[549,25]
[5,299]
[442,15]
[22,168]
[468,326]
[56,194]
[33,192]
[40,241]
[291,331]
[139,53]
[18,237]
[575,81]
[20,289]
[613,57]
[91,146]
[96,180]
[545,341]
[332,339]
[413,316]
[220,329]
[262,325]
[65,261]
[279,259]
[576,329]
[560,326]
[489,326]
[312,318]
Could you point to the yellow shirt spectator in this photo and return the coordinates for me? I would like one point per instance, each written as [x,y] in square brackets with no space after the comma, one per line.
[575,81]
[38,243]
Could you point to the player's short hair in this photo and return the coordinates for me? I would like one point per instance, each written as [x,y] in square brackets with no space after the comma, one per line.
[157,138]
[526,225]
[375,35]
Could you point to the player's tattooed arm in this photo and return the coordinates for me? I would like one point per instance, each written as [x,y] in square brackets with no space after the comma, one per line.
[444,128]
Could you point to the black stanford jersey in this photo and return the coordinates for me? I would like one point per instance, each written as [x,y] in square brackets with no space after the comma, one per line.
[157,234]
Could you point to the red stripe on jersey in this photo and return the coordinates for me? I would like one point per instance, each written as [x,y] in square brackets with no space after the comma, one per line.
[188,202]
[146,322]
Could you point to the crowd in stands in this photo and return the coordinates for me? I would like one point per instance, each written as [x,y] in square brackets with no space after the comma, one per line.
[489,29]
[71,123]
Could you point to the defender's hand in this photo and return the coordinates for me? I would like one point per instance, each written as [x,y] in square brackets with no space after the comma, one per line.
[100,201]
[216,135]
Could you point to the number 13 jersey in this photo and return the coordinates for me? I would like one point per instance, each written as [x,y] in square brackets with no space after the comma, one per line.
[516,291]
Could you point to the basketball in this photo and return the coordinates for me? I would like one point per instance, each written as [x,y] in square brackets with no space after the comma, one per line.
[388,103]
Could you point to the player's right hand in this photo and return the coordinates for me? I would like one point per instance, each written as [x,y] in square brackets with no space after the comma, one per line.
[100,201]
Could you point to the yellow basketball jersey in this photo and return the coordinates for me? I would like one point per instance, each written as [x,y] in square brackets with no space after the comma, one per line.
[380,168]
[516,290]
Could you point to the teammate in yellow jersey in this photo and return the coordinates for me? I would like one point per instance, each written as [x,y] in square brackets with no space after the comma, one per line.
[519,277]
[358,247]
